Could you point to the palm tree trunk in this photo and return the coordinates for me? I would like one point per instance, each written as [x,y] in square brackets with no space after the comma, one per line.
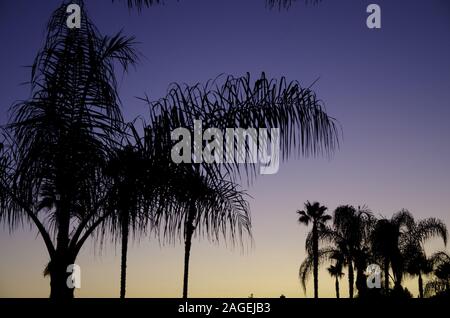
[123,265]
[58,265]
[386,274]
[59,288]
[351,278]
[316,260]
[420,285]
[337,287]
[189,231]
[361,284]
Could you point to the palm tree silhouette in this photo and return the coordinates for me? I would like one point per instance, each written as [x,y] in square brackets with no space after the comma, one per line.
[221,206]
[440,285]
[314,213]
[140,193]
[336,272]
[236,102]
[210,208]
[416,236]
[126,167]
[351,236]
[305,128]
[417,264]
[307,266]
[73,115]
[386,241]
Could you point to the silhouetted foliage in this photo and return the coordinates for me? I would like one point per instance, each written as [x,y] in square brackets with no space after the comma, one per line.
[59,140]
[358,239]
[314,213]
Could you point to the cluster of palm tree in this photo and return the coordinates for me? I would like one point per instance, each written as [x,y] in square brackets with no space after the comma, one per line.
[74,168]
[353,238]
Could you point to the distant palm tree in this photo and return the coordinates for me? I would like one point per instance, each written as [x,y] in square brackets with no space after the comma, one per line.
[417,264]
[336,272]
[386,242]
[350,235]
[441,267]
[314,213]
[415,238]
[58,141]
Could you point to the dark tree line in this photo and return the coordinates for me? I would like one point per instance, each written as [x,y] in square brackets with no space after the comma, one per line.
[356,238]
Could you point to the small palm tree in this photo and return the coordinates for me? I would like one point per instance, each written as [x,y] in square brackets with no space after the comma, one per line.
[336,272]
[314,213]
[441,268]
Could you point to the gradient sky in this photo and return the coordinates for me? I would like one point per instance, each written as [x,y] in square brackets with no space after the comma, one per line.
[389,88]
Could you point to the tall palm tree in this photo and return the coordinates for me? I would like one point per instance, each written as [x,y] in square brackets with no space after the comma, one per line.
[73,114]
[336,272]
[415,238]
[314,213]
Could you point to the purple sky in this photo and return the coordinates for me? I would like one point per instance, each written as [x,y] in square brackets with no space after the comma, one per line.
[389,88]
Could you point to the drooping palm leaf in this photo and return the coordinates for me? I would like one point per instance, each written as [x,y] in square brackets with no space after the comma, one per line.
[305,128]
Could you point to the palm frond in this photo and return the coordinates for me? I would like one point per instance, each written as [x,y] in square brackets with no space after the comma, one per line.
[431,227]
[304,126]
